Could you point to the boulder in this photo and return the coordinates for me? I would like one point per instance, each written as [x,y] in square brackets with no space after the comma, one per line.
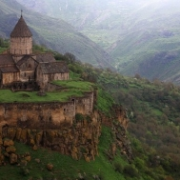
[74,153]
[38,137]
[23,162]
[35,148]
[18,133]
[23,137]
[38,160]
[11,132]
[28,158]
[13,158]
[8,142]
[1,159]
[31,142]
[49,167]
[1,141]
[10,149]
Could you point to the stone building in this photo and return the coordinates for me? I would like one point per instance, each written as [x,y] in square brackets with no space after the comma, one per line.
[21,66]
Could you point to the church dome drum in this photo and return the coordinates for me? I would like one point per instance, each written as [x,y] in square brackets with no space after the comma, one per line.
[21,39]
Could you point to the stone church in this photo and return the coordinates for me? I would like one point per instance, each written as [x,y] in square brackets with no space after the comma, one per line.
[20,65]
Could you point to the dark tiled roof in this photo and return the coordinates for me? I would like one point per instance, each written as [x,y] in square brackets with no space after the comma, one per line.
[24,59]
[47,57]
[6,59]
[10,69]
[21,29]
[54,67]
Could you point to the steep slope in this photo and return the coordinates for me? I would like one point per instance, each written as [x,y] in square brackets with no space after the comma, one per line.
[97,19]
[53,33]
[150,46]
[143,37]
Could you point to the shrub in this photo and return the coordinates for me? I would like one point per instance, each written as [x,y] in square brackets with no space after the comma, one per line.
[139,163]
[79,117]
[130,170]
[118,167]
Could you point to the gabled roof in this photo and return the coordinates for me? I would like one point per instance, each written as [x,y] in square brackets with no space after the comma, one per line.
[24,59]
[54,67]
[11,69]
[21,29]
[6,59]
[47,57]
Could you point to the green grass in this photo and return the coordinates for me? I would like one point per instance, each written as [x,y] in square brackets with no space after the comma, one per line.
[104,102]
[2,49]
[76,85]
[72,88]
[64,166]
[74,76]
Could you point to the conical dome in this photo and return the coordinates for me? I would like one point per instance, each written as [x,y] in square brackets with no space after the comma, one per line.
[21,29]
[21,39]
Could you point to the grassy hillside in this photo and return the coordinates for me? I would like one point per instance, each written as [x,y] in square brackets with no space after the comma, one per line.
[150,46]
[65,167]
[153,111]
[72,88]
[52,33]
[96,19]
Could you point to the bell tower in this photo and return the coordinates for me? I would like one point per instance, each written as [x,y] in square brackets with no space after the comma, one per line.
[21,39]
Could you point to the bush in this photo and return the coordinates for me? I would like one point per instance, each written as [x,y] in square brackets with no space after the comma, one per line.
[130,170]
[88,118]
[25,171]
[98,176]
[139,163]
[118,167]
[79,117]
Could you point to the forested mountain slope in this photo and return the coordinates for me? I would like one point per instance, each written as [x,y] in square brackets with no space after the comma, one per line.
[153,130]
[53,33]
[142,36]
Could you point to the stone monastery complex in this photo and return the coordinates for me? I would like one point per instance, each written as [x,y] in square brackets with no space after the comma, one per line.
[20,67]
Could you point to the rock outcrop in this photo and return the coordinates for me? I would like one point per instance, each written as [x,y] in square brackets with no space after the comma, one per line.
[118,123]
[79,140]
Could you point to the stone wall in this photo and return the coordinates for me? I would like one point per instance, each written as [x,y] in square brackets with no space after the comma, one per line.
[33,114]
[21,46]
[8,78]
[56,126]
[27,70]
[45,78]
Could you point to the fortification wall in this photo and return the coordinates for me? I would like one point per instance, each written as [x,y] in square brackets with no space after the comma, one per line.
[53,113]
[54,125]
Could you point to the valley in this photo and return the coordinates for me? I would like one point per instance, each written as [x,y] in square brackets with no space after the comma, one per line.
[52,33]
[141,37]
[102,101]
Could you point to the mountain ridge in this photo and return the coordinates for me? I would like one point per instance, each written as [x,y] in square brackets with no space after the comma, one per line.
[133,33]
[54,33]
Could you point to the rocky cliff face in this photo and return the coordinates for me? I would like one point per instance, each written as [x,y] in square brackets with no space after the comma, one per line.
[72,128]
[118,123]
[78,140]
